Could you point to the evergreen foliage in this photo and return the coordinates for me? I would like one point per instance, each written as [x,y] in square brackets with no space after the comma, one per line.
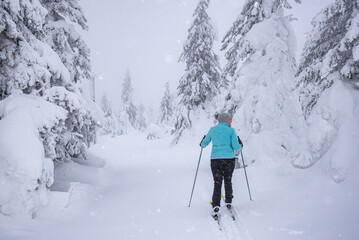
[332,47]
[201,81]
[182,122]
[141,120]
[22,66]
[166,107]
[105,103]
[42,54]
[237,46]
[127,100]
[261,65]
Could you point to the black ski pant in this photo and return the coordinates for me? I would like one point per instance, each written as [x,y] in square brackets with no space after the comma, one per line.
[222,169]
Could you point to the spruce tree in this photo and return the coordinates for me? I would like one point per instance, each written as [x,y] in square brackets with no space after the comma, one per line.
[105,103]
[22,67]
[201,81]
[74,54]
[328,82]
[41,54]
[166,108]
[126,96]
[237,46]
[261,64]
[332,47]
[141,120]
[109,124]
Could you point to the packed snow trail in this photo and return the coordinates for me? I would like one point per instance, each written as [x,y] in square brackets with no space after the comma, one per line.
[134,188]
[142,192]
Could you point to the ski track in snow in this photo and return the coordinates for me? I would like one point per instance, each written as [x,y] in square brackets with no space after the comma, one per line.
[134,188]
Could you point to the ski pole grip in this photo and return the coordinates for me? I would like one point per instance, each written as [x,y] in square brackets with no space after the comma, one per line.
[240,142]
[202,140]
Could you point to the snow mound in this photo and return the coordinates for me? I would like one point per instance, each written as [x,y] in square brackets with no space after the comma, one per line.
[155,132]
[333,130]
[25,172]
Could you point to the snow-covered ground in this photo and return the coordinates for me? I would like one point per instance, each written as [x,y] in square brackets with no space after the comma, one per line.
[134,188]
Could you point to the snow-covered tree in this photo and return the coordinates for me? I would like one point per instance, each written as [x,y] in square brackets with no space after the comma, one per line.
[141,120]
[328,80]
[166,107]
[61,35]
[105,103]
[181,123]
[122,119]
[38,51]
[24,59]
[126,96]
[41,54]
[332,47]
[64,39]
[201,80]
[80,126]
[260,49]
[109,124]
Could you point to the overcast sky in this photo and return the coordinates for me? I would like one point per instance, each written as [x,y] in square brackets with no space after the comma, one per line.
[147,36]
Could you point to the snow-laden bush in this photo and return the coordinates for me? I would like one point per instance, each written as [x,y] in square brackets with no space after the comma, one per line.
[80,124]
[110,125]
[333,130]
[25,172]
[155,132]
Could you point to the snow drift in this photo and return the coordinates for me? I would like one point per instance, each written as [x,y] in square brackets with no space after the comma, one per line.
[25,172]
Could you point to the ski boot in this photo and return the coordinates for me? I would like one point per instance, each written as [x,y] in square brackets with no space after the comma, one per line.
[215,212]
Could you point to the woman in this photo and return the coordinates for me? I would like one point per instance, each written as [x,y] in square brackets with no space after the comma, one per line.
[224,144]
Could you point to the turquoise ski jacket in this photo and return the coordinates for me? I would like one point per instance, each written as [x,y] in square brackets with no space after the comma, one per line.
[224,141]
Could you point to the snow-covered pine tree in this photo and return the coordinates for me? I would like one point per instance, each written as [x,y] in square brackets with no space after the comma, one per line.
[122,119]
[166,107]
[105,103]
[23,66]
[63,38]
[67,43]
[109,124]
[126,96]
[30,64]
[202,80]
[141,120]
[331,47]
[328,70]
[261,62]
[181,123]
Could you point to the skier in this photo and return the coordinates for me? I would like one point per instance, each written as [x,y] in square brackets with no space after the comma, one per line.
[224,144]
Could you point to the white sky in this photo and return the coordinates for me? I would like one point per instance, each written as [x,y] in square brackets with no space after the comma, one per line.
[146,36]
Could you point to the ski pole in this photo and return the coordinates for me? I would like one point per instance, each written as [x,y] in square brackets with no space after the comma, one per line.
[245,172]
[195,177]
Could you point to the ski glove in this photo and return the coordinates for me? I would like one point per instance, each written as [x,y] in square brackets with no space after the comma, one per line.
[200,144]
[240,142]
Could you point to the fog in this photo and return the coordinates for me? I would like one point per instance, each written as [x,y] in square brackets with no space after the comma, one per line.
[147,37]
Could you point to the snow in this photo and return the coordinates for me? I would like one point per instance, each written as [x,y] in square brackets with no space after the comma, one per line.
[53,61]
[155,132]
[134,188]
[333,129]
[356,53]
[25,172]
[268,104]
